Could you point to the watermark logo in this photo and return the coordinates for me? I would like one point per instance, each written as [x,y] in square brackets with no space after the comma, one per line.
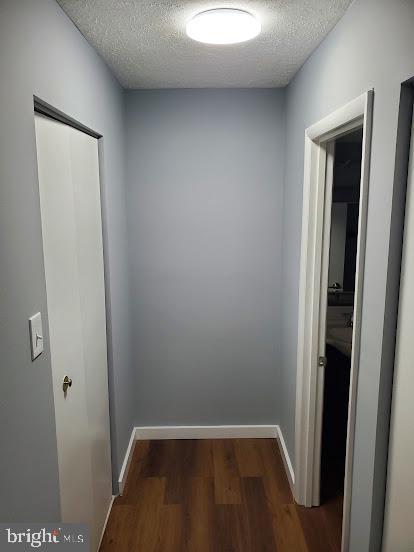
[44,537]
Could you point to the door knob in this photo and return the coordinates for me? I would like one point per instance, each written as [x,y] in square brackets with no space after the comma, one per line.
[67,382]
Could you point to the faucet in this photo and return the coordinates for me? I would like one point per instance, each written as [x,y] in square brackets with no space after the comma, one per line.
[336,286]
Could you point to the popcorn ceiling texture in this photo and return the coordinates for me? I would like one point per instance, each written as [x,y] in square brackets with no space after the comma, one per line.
[144,41]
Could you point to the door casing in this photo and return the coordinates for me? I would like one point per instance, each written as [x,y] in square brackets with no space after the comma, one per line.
[309,388]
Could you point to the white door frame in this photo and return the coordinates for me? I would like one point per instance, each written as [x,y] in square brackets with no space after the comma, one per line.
[309,389]
[44,108]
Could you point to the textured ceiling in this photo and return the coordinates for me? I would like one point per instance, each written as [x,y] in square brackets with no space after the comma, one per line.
[145,44]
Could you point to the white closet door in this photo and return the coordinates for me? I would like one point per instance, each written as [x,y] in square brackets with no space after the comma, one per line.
[399,509]
[73,256]
[85,175]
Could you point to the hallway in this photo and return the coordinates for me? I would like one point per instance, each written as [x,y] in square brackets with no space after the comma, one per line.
[205,208]
[223,495]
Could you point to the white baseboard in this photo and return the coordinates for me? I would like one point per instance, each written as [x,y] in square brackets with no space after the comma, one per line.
[206,432]
[106,520]
[286,459]
[127,461]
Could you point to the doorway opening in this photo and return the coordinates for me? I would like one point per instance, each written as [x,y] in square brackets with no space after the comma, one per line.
[323,165]
[340,293]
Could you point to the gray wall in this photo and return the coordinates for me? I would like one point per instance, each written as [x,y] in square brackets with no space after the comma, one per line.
[205,180]
[42,53]
[371,47]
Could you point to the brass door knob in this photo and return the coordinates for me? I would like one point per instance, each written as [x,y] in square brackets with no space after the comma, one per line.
[67,382]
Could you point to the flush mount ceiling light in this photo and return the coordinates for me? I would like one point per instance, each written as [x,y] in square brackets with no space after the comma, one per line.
[223,26]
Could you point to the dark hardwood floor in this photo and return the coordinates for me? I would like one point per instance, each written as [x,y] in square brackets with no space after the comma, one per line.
[215,496]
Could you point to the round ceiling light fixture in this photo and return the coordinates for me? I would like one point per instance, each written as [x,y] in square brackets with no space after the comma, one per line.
[223,26]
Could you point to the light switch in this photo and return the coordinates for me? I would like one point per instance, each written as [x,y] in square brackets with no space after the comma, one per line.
[36,335]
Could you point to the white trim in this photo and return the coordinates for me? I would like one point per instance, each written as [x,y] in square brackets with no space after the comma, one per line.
[326,186]
[207,432]
[286,458]
[192,432]
[106,519]
[127,462]
[341,121]
[357,113]
[356,333]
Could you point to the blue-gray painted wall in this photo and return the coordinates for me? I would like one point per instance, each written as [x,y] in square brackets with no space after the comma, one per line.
[43,54]
[371,47]
[205,173]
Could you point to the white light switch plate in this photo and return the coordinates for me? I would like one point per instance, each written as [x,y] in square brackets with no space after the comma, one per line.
[36,335]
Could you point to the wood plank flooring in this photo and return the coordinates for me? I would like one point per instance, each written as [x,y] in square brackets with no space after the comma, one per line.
[220,495]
